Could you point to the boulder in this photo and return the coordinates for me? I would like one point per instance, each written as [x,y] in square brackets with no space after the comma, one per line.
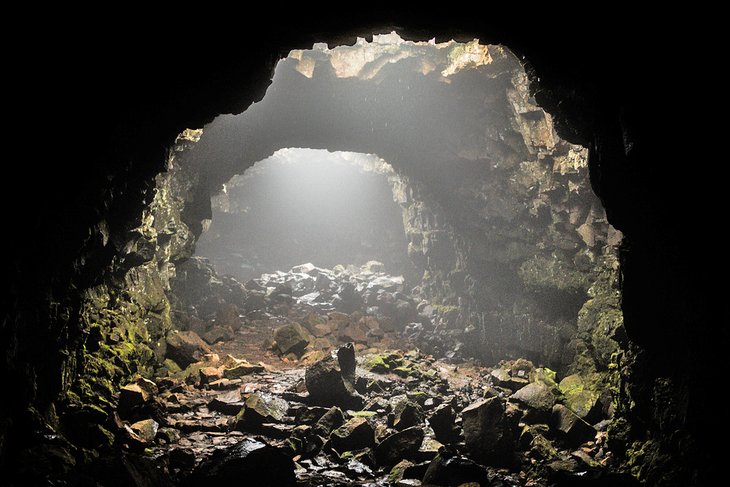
[331,383]
[185,347]
[260,408]
[146,429]
[240,369]
[355,434]
[291,338]
[250,459]
[130,397]
[451,470]
[399,446]
[443,423]
[210,374]
[573,429]
[330,420]
[406,414]
[538,399]
[229,402]
[218,334]
[488,432]
[581,397]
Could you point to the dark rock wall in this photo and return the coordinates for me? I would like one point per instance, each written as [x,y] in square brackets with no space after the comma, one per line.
[619,83]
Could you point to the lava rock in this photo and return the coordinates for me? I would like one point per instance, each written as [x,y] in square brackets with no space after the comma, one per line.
[259,409]
[580,398]
[572,428]
[130,397]
[329,385]
[218,334]
[488,432]
[355,434]
[398,446]
[241,369]
[330,420]
[451,470]
[406,414]
[291,338]
[146,429]
[185,347]
[443,423]
[251,461]
[539,400]
[229,402]
[210,374]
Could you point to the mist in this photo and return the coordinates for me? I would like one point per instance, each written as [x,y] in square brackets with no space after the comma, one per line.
[304,205]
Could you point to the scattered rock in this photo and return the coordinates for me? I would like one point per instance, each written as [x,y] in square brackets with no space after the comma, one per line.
[253,460]
[538,398]
[355,434]
[146,429]
[241,369]
[401,445]
[229,403]
[185,347]
[291,338]
[487,432]
[406,414]
[330,420]
[210,374]
[130,397]
[259,409]
[328,386]
[443,423]
[574,430]
[451,470]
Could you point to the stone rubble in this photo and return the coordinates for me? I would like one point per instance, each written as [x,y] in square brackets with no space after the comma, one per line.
[342,398]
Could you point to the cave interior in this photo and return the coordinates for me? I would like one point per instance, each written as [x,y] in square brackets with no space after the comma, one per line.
[442,253]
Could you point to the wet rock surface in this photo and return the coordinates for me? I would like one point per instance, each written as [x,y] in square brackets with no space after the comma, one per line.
[378,412]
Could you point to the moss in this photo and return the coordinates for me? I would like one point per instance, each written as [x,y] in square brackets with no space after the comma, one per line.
[383,362]
[553,272]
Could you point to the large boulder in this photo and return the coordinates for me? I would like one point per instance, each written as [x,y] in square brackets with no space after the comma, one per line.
[443,423]
[571,427]
[355,434]
[399,446]
[291,338]
[581,397]
[185,347]
[251,461]
[538,399]
[488,432]
[260,408]
[451,470]
[331,382]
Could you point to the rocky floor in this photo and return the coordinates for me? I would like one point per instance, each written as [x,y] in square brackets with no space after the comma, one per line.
[321,385]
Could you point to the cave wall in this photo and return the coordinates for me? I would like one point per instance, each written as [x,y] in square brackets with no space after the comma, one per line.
[607,84]
[498,210]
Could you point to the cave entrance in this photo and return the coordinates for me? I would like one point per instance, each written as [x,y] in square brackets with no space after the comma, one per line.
[511,308]
[307,206]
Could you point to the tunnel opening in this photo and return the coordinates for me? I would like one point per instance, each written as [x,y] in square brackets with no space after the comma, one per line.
[510,301]
[481,342]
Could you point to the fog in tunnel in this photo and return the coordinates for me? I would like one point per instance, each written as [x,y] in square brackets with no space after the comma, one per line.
[303,205]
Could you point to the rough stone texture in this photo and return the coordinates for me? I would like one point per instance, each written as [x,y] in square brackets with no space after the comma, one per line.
[185,347]
[329,385]
[291,338]
[90,205]
[538,398]
[253,460]
[488,432]
[355,434]
[398,446]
